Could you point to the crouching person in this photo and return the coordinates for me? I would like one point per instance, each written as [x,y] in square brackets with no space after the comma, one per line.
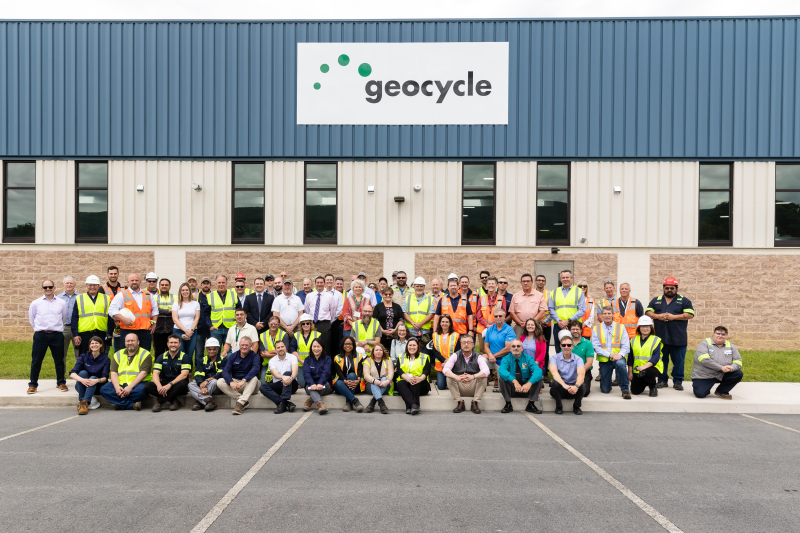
[716,361]
[568,373]
[130,369]
[520,377]
[240,375]
[644,361]
[283,368]
[208,369]
[170,376]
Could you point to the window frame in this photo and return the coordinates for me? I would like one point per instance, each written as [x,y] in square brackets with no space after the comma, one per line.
[263,190]
[306,188]
[555,242]
[480,242]
[729,190]
[782,244]
[6,238]
[78,188]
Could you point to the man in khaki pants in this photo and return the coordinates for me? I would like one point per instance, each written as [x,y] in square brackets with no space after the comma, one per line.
[240,375]
[467,374]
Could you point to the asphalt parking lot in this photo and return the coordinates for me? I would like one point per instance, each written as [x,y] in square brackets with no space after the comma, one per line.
[141,471]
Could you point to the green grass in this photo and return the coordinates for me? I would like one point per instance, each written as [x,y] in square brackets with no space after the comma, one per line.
[15,363]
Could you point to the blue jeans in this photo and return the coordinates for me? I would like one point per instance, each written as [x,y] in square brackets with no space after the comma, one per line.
[110,394]
[377,392]
[220,334]
[187,347]
[678,355]
[200,344]
[607,368]
[275,390]
[85,393]
[702,387]
[441,381]
[340,388]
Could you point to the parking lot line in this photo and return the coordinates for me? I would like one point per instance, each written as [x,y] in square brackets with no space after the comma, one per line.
[644,506]
[38,428]
[226,500]
[771,423]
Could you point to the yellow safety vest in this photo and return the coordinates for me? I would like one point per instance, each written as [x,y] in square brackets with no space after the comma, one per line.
[129,370]
[418,311]
[224,313]
[368,333]
[566,306]
[357,358]
[165,304]
[269,344]
[303,347]
[412,367]
[643,352]
[92,316]
[616,339]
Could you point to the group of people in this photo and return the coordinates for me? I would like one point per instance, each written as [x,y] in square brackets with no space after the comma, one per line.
[372,339]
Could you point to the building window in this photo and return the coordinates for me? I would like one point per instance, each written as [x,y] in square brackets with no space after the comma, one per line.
[714,222]
[552,204]
[477,213]
[787,204]
[248,203]
[320,194]
[91,213]
[19,198]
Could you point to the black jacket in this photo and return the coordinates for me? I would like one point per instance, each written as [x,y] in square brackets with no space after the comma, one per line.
[250,307]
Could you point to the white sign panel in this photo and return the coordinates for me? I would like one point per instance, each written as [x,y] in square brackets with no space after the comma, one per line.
[402,83]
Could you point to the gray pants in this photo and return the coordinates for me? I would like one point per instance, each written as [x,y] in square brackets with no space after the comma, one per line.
[194,390]
[507,390]
[316,394]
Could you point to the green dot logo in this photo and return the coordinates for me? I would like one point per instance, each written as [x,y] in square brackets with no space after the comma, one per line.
[317,85]
[324,68]
[344,60]
[364,69]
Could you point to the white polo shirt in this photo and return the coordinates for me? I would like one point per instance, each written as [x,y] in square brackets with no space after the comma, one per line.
[288,308]
[281,367]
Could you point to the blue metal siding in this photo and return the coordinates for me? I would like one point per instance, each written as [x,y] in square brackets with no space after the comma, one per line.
[673,88]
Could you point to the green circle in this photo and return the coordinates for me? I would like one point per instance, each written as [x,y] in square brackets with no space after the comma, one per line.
[317,85]
[324,68]
[344,60]
[364,69]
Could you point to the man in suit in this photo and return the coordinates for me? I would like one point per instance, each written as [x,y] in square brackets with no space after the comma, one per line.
[258,306]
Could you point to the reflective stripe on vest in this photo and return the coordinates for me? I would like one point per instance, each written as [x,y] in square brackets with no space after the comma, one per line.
[222,312]
[587,331]
[418,311]
[643,352]
[165,305]
[414,367]
[142,320]
[566,306]
[445,344]
[603,302]
[92,315]
[547,320]
[303,347]
[488,315]
[366,333]
[616,339]
[629,320]
[129,370]
[269,345]
[339,360]
[458,316]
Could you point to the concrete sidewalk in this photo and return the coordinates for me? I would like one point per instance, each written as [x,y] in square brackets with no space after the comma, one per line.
[765,398]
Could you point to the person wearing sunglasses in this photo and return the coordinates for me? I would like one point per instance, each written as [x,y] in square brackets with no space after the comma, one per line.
[484,275]
[47,316]
[568,375]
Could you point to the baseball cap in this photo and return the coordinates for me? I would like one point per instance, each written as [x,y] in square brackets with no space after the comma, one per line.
[288,280]
[191,277]
[361,274]
[205,279]
[269,276]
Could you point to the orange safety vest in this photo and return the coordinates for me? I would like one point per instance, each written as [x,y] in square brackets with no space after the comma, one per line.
[602,302]
[487,311]
[547,320]
[142,315]
[445,344]
[629,319]
[473,301]
[458,316]
[587,332]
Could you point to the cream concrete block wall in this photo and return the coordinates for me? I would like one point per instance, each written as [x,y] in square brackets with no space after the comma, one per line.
[55,202]
[657,206]
[515,203]
[285,202]
[753,204]
[633,267]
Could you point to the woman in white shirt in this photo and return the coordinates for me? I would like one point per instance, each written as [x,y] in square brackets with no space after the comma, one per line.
[185,315]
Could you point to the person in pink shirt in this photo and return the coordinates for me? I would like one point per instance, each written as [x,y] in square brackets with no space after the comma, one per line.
[534,343]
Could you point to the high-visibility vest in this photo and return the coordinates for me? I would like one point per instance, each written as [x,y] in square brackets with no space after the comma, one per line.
[129,370]
[473,301]
[92,315]
[445,344]
[165,304]
[414,367]
[418,311]
[222,312]
[365,370]
[566,306]
[214,367]
[481,291]
[616,339]
[603,302]
[587,331]
[488,310]
[109,291]
[303,347]
[269,344]
[339,360]
[366,333]
[643,352]
[547,320]
[142,314]
[458,315]
[629,320]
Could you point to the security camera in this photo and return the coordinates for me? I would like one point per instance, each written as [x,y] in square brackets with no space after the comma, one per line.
[554,250]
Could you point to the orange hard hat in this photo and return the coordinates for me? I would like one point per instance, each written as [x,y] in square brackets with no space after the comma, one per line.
[671,281]
[239,275]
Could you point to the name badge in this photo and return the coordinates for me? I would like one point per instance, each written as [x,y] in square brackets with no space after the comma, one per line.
[356,315]
[728,352]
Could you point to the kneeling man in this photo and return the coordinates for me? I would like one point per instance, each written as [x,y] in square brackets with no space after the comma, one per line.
[716,361]
[568,373]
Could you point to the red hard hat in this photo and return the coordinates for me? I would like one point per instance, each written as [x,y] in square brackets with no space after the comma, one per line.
[239,275]
[671,281]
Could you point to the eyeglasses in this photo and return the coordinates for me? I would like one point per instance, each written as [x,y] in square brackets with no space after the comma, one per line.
[48,286]
[566,345]
[583,286]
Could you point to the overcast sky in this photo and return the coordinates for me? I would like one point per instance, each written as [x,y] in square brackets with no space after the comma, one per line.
[386,9]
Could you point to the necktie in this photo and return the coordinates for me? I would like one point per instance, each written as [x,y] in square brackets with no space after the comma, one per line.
[259,305]
[519,371]
[316,307]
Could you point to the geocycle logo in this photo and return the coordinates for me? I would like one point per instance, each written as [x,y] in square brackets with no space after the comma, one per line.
[402,83]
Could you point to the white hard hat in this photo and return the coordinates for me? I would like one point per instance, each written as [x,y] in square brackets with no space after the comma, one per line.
[151,275]
[127,313]
[645,321]
[305,317]
[451,276]
[93,280]
[211,342]
[419,281]
[564,333]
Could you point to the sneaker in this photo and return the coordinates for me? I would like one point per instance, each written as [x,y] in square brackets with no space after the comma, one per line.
[577,410]
[198,406]
[95,403]
[239,408]
[347,406]
[661,385]
[83,407]
[677,385]
[408,411]
[371,405]
[507,409]
[280,409]
[384,409]
[309,405]
[210,405]
[322,409]
[654,392]
[723,395]
[137,406]
[357,406]
[290,407]
[156,407]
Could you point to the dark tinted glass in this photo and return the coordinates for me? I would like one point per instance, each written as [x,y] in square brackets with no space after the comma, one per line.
[248,214]
[321,214]
[715,176]
[787,176]
[21,175]
[787,216]
[551,216]
[714,220]
[479,176]
[319,176]
[93,175]
[552,176]
[248,176]
[92,214]
[21,213]
[478,215]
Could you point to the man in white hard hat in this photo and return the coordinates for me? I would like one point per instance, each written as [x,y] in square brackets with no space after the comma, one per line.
[152,282]
[142,304]
[644,360]
[208,369]
[418,310]
[90,315]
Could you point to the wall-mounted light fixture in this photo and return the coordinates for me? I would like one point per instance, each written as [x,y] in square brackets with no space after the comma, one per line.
[370,189]
[399,198]
[196,187]
[417,187]
[617,189]
[140,188]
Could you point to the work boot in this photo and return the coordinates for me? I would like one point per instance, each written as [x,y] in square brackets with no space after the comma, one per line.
[322,409]
[31,390]
[290,407]
[384,409]
[626,395]
[347,406]
[210,405]
[63,388]
[474,407]
[371,405]
[137,406]
[83,407]
[653,392]
[615,383]
[723,395]
[507,409]
[357,406]
[597,378]
[661,385]
[677,385]
[459,407]
[175,405]
[239,408]
[415,408]
[156,407]
[308,405]
[280,409]
[198,406]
